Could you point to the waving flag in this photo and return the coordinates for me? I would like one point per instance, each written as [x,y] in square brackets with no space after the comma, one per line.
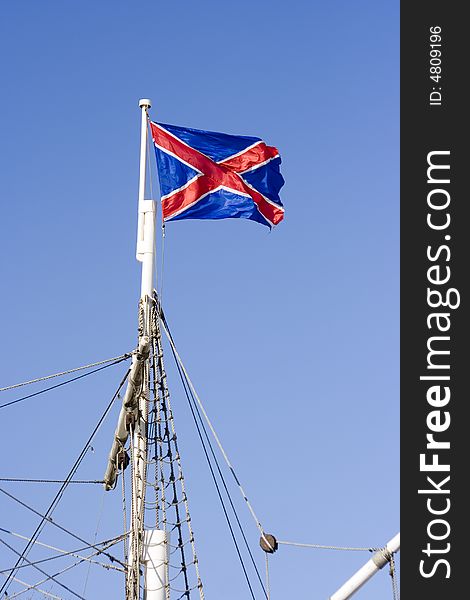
[208,175]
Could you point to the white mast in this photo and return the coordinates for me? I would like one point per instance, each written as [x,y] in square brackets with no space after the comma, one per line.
[138,377]
[145,254]
[149,547]
[152,548]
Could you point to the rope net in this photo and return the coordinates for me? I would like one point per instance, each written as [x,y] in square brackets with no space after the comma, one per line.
[165,502]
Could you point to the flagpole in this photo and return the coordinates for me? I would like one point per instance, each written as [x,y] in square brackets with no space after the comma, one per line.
[147,547]
[146,216]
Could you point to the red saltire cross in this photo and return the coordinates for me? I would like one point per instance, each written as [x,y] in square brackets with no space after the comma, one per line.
[215,175]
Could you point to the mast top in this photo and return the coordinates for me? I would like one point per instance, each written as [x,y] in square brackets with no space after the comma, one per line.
[145,102]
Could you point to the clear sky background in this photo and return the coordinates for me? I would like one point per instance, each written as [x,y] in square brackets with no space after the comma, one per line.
[291,337]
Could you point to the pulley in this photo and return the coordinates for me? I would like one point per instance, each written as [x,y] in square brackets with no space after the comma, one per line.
[268,543]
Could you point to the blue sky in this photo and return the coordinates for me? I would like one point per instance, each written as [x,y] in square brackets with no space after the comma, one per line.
[291,337]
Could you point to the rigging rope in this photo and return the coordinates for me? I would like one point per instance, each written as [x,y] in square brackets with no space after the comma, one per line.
[90,366]
[55,524]
[182,371]
[150,172]
[50,577]
[268,587]
[64,553]
[322,547]
[162,266]
[30,587]
[220,496]
[94,539]
[149,181]
[194,411]
[53,577]
[124,516]
[211,427]
[396,594]
[106,544]
[53,387]
[164,414]
[47,515]
[132,576]
[166,410]
[19,480]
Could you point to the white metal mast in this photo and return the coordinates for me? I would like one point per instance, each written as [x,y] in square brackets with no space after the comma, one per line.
[152,549]
[145,254]
[147,547]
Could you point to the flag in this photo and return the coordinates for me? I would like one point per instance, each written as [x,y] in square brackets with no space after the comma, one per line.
[209,175]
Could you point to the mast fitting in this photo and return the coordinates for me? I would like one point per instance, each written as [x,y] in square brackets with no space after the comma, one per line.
[268,543]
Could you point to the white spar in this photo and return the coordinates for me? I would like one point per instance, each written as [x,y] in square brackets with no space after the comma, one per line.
[379,560]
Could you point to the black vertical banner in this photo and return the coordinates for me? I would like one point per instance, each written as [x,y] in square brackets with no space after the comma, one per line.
[435,268]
